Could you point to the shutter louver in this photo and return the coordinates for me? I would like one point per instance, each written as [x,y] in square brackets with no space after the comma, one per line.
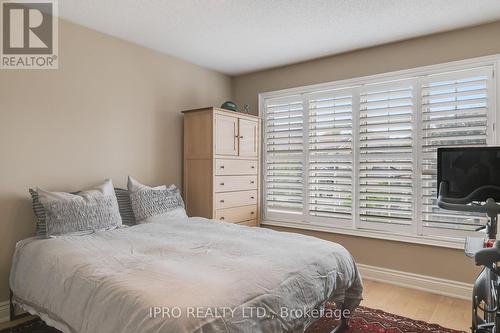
[454,113]
[330,156]
[284,155]
[386,162]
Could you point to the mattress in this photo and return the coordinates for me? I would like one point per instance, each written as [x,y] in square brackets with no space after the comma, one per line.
[189,275]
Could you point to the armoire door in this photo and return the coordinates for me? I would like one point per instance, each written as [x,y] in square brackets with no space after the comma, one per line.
[226,135]
[249,138]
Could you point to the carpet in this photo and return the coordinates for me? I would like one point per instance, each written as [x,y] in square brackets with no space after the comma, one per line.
[364,320]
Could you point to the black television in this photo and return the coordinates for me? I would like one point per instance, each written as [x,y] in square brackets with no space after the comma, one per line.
[469,168]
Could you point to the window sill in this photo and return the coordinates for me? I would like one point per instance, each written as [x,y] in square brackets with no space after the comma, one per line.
[452,243]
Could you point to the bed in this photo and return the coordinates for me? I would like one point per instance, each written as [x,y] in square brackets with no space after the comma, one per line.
[185,275]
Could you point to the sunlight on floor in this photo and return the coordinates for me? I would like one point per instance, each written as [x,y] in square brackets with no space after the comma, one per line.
[445,311]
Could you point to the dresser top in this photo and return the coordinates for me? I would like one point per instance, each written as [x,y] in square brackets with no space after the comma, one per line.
[223,111]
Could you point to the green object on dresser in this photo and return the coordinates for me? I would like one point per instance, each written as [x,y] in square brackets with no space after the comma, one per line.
[228,105]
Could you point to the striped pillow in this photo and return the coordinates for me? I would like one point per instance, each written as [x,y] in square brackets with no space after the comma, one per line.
[125,206]
[41,227]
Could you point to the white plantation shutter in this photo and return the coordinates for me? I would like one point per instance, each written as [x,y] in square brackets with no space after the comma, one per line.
[330,155]
[284,156]
[364,156]
[386,150]
[454,113]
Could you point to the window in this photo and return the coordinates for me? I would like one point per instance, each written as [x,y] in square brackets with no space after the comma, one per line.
[386,156]
[454,113]
[330,156]
[284,156]
[359,156]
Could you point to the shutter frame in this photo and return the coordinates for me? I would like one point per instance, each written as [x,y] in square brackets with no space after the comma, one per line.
[283,165]
[330,167]
[386,156]
[451,118]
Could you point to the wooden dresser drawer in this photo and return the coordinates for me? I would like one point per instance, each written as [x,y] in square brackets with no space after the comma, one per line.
[235,183]
[251,223]
[237,214]
[235,167]
[235,199]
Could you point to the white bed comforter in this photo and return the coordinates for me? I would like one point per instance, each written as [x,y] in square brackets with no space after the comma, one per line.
[205,276]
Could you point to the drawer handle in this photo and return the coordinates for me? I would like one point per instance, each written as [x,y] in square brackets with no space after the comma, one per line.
[222,201]
[252,182]
[222,167]
[241,136]
[253,166]
[222,184]
[222,218]
[252,213]
[252,197]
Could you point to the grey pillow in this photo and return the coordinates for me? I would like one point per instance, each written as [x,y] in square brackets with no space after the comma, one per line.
[124,206]
[65,213]
[150,202]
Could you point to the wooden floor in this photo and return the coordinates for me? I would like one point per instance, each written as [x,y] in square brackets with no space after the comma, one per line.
[445,311]
[14,323]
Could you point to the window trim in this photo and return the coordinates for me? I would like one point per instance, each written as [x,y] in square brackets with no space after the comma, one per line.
[413,74]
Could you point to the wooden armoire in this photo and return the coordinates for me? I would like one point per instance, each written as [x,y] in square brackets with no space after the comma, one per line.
[222,165]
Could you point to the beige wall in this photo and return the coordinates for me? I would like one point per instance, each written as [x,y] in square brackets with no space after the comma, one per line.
[406,257]
[439,48]
[112,109]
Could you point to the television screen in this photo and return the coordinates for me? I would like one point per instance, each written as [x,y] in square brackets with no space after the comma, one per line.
[467,169]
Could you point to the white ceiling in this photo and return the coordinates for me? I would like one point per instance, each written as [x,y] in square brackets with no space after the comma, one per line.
[239,36]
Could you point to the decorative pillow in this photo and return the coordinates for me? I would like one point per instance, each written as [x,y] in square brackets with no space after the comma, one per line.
[39,213]
[125,206]
[64,213]
[161,201]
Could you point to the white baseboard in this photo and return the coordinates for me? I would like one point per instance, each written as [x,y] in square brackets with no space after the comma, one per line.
[416,281]
[4,312]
